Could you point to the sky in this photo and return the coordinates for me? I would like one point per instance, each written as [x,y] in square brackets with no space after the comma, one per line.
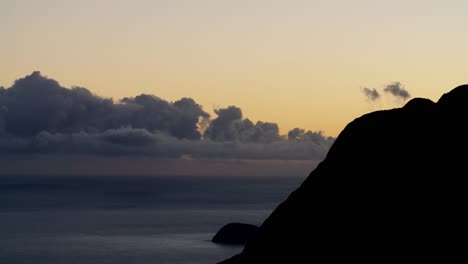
[314,65]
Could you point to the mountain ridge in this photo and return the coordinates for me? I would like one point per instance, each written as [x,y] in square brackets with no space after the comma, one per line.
[390,188]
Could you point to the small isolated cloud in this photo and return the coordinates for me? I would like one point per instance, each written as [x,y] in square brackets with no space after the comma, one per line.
[371,93]
[396,89]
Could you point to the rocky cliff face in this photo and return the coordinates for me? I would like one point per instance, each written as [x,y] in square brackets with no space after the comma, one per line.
[393,186]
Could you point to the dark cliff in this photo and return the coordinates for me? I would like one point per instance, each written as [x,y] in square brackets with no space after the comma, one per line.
[393,186]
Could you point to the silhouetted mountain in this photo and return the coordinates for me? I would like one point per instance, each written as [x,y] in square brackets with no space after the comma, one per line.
[235,234]
[392,187]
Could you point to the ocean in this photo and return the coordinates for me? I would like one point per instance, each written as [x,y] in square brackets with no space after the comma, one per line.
[132,219]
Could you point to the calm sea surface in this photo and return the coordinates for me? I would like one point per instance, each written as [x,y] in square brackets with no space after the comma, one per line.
[114,219]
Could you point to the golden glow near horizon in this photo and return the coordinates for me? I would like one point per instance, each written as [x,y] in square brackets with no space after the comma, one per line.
[296,63]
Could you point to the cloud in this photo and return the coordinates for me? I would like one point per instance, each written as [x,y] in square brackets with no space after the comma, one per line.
[396,89]
[130,141]
[300,135]
[371,93]
[229,126]
[224,126]
[39,116]
[36,103]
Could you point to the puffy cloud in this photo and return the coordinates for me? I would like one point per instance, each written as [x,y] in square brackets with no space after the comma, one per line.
[396,89]
[178,119]
[300,135]
[36,103]
[225,126]
[39,116]
[371,93]
[229,126]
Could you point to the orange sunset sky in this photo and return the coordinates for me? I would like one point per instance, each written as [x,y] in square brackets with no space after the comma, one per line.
[296,63]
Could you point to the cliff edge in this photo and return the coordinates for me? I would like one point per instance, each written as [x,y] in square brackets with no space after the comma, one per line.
[393,186]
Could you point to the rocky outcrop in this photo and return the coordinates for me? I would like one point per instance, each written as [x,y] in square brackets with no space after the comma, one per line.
[235,234]
[393,186]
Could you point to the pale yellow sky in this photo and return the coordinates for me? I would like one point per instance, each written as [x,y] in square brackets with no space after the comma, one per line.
[296,63]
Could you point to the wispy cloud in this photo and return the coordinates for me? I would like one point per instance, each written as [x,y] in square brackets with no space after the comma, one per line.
[397,89]
[371,93]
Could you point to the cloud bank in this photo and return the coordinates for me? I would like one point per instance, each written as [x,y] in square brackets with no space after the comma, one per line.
[39,116]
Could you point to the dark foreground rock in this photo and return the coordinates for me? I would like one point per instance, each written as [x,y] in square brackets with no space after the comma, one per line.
[394,186]
[235,234]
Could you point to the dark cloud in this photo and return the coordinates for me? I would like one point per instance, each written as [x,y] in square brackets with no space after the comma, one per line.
[129,136]
[371,93]
[229,126]
[35,103]
[178,119]
[300,135]
[224,126]
[396,89]
[39,116]
[130,141]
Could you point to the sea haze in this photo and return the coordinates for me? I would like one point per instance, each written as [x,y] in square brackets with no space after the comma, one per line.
[116,219]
